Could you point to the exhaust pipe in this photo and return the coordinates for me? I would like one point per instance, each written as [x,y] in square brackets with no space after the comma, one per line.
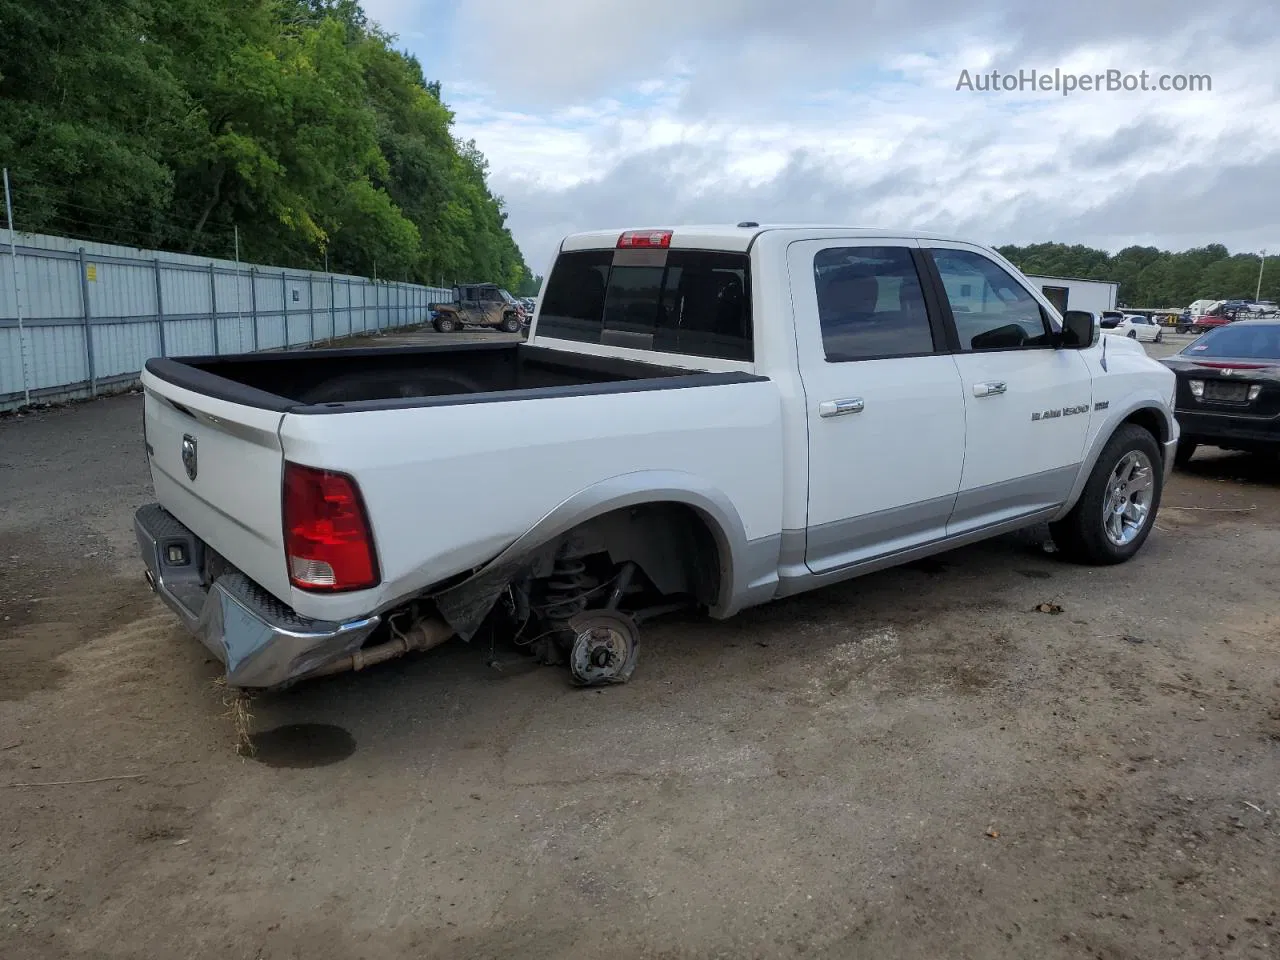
[423,635]
[151,580]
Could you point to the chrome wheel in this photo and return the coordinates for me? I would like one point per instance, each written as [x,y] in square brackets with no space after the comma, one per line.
[1127,506]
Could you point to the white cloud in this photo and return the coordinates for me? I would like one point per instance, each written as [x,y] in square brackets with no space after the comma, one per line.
[596,113]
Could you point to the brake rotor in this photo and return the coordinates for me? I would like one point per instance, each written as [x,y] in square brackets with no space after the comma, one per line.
[605,647]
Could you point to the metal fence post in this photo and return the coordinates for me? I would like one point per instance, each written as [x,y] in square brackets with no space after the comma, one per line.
[284,299]
[333,309]
[160,307]
[253,304]
[213,309]
[311,311]
[88,324]
[17,291]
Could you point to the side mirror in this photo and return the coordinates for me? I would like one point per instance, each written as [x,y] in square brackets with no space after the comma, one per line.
[1081,329]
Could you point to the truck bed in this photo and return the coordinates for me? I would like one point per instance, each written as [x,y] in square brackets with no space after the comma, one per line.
[342,380]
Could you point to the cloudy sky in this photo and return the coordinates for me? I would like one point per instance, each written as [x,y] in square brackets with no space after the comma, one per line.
[608,113]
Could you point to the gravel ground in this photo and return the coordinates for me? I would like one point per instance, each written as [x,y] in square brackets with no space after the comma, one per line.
[914,764]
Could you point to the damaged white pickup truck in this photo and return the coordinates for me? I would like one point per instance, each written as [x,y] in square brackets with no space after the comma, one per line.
[706,417]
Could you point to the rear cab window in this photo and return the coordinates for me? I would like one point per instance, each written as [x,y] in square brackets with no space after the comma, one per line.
[691,302]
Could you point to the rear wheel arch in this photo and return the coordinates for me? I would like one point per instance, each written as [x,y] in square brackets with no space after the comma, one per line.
[688,545]
[671,496]
[680,548]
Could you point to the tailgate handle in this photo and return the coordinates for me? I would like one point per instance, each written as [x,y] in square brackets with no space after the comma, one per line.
[840,408]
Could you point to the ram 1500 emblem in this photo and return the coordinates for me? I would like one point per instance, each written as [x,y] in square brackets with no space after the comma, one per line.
[189,455]
[1063,412]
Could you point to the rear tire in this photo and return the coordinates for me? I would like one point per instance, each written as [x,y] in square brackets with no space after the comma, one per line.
[445,325]
[1186,450]
[1082,535]
[1132,334]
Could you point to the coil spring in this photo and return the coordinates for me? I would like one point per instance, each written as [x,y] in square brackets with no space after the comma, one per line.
[567,589]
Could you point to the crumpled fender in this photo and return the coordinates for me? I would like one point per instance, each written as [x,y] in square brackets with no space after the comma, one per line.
[466,604]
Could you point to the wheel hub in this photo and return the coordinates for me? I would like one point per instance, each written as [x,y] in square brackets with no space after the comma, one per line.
[1128,508]
[605,645]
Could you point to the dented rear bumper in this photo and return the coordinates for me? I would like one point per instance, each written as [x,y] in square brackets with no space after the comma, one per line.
[262,642]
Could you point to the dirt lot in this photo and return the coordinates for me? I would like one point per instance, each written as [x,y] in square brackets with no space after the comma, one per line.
[915,764]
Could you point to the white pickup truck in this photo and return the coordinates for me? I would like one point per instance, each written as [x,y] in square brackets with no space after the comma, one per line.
[707,417]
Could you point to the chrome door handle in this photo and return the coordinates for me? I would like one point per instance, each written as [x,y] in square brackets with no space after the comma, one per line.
[990,389]
[838,408]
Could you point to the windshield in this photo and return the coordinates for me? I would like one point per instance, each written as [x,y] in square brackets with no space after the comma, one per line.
[1242,341]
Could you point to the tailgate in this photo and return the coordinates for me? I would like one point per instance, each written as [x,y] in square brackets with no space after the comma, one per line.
[217,467]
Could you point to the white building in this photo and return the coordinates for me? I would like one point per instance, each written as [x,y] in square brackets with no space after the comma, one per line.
[1072,293]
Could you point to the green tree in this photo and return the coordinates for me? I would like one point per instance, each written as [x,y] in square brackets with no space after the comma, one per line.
[1150,277]
[168,123]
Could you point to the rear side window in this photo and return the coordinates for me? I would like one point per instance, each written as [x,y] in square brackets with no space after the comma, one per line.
[693,302]
[870,304]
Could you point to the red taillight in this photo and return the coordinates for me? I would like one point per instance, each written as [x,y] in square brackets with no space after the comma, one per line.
[644,239]
[326,533]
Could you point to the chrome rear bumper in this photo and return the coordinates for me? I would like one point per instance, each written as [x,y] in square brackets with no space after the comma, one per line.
[261,641]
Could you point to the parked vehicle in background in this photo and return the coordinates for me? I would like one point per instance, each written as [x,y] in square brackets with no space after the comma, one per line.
[1134,326]
[1199,308]
[1206,322]
[530,305]
[1229,388]
[477,305]
[706,418]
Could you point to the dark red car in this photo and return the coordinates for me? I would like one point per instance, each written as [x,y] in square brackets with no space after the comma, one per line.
[1208,322]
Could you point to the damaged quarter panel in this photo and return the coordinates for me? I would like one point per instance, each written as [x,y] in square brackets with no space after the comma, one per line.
[450,500]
